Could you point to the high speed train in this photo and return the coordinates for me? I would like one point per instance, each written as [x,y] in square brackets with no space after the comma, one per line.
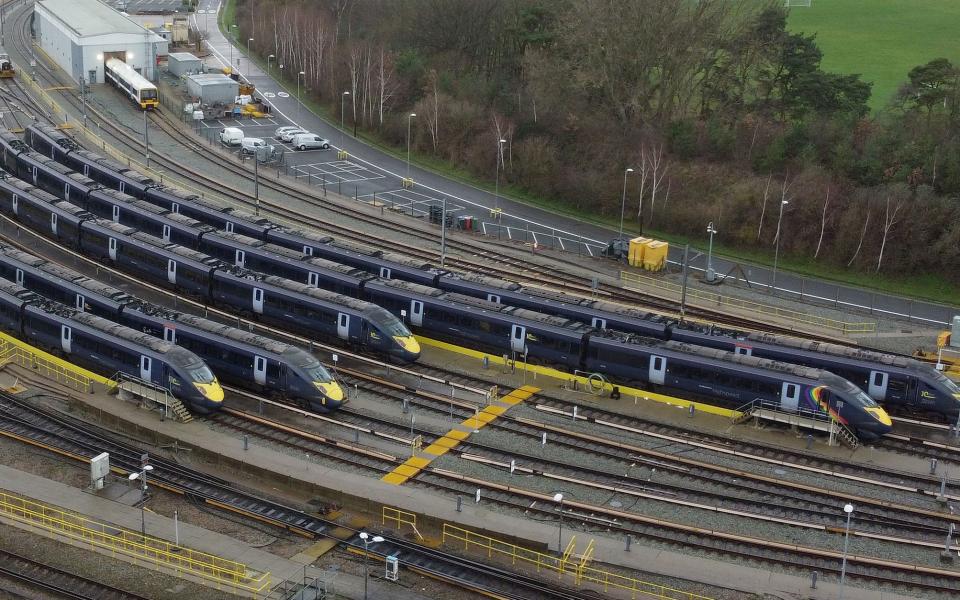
[132,84]
[648,362]
[236,356]
[107,347]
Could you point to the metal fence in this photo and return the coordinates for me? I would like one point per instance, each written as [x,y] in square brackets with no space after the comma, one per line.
[574,566]
[14,351]
[636,280]
[147,550]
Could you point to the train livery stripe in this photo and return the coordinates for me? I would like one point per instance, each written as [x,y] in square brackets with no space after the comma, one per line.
[816,397]
[625,391]
[413,465]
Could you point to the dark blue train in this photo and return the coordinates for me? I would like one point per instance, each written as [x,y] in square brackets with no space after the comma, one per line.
[236,356]
[107,347]
[433,311]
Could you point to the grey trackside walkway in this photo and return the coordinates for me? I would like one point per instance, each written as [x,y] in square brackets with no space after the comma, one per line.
[195,538]
[198,434]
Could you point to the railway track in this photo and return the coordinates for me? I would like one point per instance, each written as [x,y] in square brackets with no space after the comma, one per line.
[485,259]
[56,582]
[530,501]
[19,420]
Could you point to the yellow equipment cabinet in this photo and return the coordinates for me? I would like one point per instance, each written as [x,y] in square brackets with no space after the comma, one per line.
[655,255]
[637,248]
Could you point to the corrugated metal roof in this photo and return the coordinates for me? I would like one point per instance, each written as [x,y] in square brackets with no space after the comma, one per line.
[91,17]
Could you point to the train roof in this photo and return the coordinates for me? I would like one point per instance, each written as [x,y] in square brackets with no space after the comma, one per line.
[320,294]
[14,141]
[484,280]
[238,335]
[314,237]
[123,332]
[177,249]
[833,349]
[18,291]
[128,73]
[341,268]
[711,354]
[71,208]
[238,238]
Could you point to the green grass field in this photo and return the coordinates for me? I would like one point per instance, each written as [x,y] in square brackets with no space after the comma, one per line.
[881,39]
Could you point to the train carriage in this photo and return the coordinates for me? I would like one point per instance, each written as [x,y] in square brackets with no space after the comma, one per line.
[134,85]
[222,218]
[50,141]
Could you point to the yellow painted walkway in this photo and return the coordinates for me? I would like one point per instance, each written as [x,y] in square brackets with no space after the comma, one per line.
[415,464]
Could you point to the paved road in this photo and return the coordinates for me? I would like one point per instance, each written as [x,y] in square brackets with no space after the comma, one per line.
[369,171]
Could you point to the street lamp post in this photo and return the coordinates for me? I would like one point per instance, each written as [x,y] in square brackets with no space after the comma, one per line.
[269,58]
[249,64]
[846,540]
[623,200]
[231,32]
[711,274]
[299,101]
[367,540]
[496,185]
[142,476]
[342,98]
[558,497]
[776,252]
[409,118]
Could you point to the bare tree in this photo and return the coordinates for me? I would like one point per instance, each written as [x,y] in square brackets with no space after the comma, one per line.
[785,198]
[863,232]
[889,220]
[431,104]
[658,170]
[642,170]
[386,84]
[823,222]
[763,207]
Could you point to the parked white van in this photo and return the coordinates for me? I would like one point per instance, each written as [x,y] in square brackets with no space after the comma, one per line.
[309,141]
[231,136]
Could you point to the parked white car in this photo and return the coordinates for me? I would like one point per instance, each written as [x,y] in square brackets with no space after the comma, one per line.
[281,130]
[231,136]
[250,145]
[287,136]
[310,141]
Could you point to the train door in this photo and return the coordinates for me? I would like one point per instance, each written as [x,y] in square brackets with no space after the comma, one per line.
[166,233]
[789,397]
[343,326]
[493,298]
[416,313]
[308,250]
[112,248]
[86,168]
[313,279]
[18,276]
[744,350]
[599,323]
[657,371]
[175,207]
[33,171]
[240,258]
[172,271]
[228,227]
[878,385]
[260,370]
[518,335]
[66,337]
[116,213]
[53,223]
[66,192]
[16,204]
[146,366]
[123,187]
[258,301]
[169,334]
[385,272]
[81,302]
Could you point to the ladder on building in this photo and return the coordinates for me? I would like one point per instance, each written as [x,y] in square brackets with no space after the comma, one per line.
[130,387]
[801,419]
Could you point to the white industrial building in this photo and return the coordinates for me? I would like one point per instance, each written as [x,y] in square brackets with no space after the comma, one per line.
[80,35]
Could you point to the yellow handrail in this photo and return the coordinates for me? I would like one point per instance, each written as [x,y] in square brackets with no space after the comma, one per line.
[569,563]
[158,552]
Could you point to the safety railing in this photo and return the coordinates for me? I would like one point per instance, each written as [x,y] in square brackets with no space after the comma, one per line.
[569,564]
[754,308]
[402,517]
[149,550]
[17,352]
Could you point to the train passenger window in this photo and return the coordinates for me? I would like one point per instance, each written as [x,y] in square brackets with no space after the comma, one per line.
[657,363]
[791,390]
[878,378]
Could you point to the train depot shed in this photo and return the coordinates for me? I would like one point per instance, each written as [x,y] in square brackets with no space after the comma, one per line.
[81,35]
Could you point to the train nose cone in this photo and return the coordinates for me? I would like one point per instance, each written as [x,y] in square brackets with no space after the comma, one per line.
[880,415]
[211,391]
[330,389]
[408,343]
